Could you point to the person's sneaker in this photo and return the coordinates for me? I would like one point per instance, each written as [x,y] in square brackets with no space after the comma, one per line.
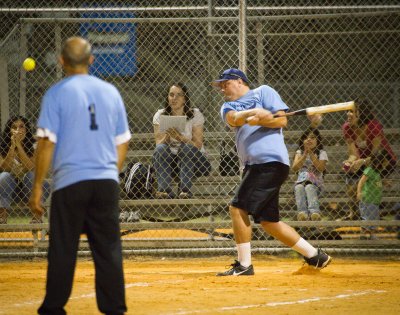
[185,195]
[238,270]
[319,261]
[162,195]
[302,216]
[368,236]
[352,216]
[123,216]
[133,217]
[315,216]
[35,220]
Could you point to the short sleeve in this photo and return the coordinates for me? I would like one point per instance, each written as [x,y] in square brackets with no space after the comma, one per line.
[122,134]
[122,123]
[225,108]
[49,117]
[198,118]
[367,171]
[323,156]
[271,100]
[156,117]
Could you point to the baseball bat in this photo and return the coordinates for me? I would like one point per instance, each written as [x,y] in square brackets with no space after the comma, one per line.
[320,109]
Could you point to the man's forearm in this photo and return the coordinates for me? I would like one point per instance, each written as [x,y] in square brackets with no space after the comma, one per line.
[44,156]
[238,119]
[122,150]
[241,117]
[277,122]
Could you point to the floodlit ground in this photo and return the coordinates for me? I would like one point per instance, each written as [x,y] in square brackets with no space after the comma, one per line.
[189,286]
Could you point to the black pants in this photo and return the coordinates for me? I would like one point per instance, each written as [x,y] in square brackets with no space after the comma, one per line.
[89,206]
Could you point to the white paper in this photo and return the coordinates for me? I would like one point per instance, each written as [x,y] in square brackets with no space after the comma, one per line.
[177,122]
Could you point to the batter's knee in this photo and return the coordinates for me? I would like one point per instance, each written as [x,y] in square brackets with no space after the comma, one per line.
[235,211]
[232,209]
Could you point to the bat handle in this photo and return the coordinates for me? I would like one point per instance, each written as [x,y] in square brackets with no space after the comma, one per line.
[295,113]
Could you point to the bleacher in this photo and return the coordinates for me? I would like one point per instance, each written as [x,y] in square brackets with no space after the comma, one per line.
[207,211]
[215,190]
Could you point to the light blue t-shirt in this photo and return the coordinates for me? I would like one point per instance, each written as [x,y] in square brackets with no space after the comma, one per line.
[86,118]
[256,144]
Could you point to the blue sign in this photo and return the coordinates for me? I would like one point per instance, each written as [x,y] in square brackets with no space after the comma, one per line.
[113,44]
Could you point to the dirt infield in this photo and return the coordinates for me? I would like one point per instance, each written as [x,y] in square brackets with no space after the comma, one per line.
[189,286]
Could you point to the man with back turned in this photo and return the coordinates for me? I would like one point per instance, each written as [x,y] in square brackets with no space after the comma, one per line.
[83,131]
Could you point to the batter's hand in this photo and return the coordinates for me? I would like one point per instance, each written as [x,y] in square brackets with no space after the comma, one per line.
[35,202]
[259,115]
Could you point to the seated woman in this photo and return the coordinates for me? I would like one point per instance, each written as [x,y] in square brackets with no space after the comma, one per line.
[16,165]
[310,163]
[364,137]
[178,153]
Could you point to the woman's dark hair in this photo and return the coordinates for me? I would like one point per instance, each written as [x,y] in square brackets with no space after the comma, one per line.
[187,109]
[317,134]
[28,141]
[364,112]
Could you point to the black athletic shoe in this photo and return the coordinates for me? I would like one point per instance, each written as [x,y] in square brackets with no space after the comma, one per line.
[319,261]
[238,270]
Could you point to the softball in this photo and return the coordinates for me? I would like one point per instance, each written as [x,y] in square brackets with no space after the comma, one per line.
[29,64]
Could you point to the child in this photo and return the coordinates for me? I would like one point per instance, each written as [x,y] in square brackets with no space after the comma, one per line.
[369,193]
[310,163]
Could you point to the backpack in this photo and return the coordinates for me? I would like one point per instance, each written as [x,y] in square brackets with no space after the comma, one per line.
[138,181]
[229,161]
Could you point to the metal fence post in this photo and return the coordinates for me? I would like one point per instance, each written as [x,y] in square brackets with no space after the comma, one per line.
[242,35]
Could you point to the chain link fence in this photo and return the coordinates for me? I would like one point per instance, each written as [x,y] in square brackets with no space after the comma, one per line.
[311,53]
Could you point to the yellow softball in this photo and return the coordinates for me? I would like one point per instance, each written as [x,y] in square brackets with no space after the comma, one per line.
[29,64]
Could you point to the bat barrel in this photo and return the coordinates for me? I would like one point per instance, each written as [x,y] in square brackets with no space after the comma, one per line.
[321,109]
[330,108]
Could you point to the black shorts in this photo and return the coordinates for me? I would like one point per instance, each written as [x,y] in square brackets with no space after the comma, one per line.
[258,193]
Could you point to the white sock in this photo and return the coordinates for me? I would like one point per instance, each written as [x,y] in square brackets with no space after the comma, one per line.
[305,248]
[244,254]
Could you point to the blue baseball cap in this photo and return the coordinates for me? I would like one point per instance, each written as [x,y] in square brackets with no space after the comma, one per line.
[232,74]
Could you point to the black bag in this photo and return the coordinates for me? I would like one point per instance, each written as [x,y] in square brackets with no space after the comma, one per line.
[138,181]
[228,162]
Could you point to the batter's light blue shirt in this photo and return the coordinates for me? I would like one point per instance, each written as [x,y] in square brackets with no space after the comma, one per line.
[70,112]
[256,144]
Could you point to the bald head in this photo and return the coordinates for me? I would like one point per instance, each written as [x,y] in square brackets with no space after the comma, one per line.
[76,52]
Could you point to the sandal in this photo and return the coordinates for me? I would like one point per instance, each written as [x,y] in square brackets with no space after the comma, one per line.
[162,195]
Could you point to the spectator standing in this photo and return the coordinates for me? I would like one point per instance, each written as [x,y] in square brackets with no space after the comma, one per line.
[364,136]
[177,153]
[310,164]
[16,166]
[83,129]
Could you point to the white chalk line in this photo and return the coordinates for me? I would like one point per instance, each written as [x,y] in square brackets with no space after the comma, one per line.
[275,304]
[92,294]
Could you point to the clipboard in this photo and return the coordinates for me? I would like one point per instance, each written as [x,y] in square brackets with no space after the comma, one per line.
[177,122]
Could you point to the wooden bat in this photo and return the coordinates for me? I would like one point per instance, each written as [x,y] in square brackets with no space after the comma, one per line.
[320,109]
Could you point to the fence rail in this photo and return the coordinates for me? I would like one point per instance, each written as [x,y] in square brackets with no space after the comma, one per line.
[312,55]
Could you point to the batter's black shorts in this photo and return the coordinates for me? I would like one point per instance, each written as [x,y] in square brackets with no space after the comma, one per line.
[258,192]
